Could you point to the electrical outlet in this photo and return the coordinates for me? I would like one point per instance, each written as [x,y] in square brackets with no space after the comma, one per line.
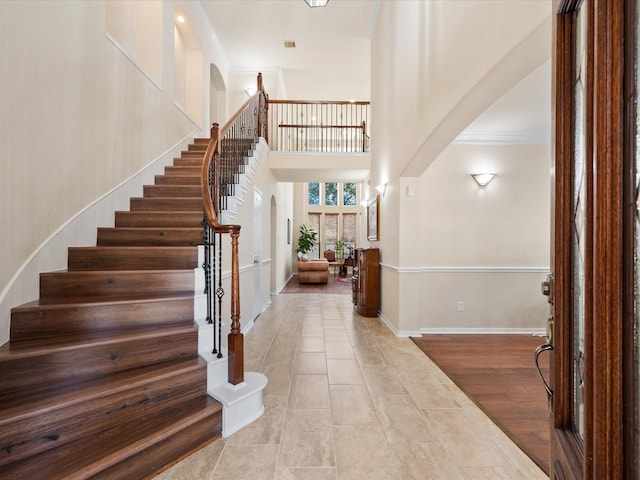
[460,306]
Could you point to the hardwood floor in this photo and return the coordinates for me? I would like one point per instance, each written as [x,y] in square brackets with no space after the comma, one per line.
[497,372]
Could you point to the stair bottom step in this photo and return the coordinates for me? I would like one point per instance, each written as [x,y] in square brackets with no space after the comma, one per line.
[131,451]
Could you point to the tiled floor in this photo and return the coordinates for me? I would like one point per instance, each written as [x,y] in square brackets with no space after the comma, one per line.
[348,400]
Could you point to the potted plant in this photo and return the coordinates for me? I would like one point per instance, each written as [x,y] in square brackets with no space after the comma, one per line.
[306,240]
[340,249]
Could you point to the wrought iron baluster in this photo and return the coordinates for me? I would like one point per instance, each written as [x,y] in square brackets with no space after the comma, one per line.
[216,347]
[219,294]
[206,265]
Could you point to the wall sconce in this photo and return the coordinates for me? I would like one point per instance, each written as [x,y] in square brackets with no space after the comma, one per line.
[382,188]
[483,179]
[251,91]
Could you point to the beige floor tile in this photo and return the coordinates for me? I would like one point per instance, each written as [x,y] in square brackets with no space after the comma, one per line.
[370,356]
[312,331]
[336,333]
[311,344]
[309,391]
[308,473]
[310,363]
[348,400]
[344,372]
[383,380]
[339,349]
[268,428]
[352,405]
[475,452]
[247,462]
[362,446]
[402,421]
[432,395]
[279,379]
[307,439]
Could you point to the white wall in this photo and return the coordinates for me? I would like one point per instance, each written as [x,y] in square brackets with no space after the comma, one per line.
[488,247]
[79,118]
[435,67]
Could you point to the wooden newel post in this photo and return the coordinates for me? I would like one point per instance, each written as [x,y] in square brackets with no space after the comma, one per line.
[364,136]
[214,129]
[260,106]
[235,339]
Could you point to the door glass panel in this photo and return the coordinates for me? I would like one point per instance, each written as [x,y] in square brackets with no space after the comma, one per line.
[579,226]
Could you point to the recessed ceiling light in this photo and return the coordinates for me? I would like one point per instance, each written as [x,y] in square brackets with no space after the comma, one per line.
[289,44]
[316,3]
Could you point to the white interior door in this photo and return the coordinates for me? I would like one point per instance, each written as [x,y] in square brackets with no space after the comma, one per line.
[257,252]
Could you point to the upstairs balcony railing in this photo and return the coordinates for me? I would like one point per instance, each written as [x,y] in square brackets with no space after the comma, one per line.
[318,126]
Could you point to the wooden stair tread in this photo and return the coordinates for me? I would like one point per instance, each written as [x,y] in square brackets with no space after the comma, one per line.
[70,302]
[23,404]
[149,236]
[40,346]
[145,283]
[89,456]
[142,257]
[159,218]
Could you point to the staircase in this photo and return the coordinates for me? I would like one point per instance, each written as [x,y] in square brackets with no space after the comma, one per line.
[101,377]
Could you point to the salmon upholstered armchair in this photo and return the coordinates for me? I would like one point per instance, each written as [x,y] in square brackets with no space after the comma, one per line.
[312,271]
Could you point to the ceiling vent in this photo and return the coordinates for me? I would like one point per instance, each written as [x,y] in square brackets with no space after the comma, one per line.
[289,44]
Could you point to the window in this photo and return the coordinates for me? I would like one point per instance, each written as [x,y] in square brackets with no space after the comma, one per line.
[331,194]
[349,194]
[349,228]
[314,224]
[314,193]
[330,231]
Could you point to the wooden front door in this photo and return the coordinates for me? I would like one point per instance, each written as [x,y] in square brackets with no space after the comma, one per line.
[594,367]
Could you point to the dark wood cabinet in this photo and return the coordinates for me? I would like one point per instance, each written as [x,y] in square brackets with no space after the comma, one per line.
[366,282]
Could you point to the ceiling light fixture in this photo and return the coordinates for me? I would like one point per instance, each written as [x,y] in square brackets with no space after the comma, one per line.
[180,19]
[316,3]
[483,179]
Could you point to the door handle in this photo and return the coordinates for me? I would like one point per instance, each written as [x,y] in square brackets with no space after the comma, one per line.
[543,348]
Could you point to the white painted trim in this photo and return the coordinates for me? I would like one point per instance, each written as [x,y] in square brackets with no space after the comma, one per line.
[536,332]
[132,60]
[395,331]
[184,112]
[466,269]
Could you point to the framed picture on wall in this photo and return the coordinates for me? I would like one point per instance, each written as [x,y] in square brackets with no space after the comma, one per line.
[373,219]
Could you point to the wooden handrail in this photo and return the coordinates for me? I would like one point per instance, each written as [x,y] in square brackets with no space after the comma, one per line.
[285,125]
[320,102]
[210,176]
